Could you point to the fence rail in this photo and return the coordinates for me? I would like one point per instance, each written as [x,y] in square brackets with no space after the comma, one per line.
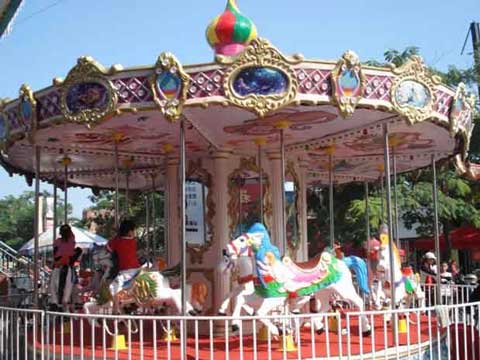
[448,331]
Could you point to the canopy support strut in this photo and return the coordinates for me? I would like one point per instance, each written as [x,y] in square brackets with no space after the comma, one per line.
[436,229]
[389,222]
[282,165]
[330,199]
[36,225]
[182,234]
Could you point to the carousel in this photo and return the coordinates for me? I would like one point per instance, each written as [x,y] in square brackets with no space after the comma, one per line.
[222,139]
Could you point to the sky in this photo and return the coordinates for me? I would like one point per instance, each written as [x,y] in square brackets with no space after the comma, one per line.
[48,36]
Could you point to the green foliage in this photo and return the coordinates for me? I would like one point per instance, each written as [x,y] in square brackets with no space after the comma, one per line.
[459,198]
[17,217]
[104,205]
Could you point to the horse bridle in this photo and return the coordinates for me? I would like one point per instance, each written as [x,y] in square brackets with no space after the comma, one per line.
[240,252]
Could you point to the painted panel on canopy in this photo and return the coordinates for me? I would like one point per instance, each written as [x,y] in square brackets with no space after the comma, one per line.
[264,81]
[169,85]
[3,127]
[26,113]
[87,96]
[301,121]
[349,83]
[405,141]
[412,93]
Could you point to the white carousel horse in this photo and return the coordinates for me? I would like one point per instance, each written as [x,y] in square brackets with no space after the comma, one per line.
[147,290]
[406,287]
[243,265]
[282,282]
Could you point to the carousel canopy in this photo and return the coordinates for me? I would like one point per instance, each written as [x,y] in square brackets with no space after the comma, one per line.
[247,96]
[83,238]
[8,10]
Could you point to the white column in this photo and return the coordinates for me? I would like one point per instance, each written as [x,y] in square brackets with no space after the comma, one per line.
[303,210]
[277,188]
[172,198]
[221,221]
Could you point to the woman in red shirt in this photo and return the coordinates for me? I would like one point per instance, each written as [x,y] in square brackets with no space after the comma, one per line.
[124,248]
[61,280]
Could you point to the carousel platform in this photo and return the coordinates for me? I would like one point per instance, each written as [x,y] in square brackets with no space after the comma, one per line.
[419,341]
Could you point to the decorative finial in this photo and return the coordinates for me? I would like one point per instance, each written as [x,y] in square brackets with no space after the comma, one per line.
[229,33]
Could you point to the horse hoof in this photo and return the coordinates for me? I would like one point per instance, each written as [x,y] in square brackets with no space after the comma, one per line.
[235,328]
[367,333]
[192,313]
[320,331]
[221,313]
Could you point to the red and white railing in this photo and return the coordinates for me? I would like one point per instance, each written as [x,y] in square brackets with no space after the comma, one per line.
[443,332]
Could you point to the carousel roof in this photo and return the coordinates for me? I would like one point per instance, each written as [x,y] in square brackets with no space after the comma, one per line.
[8,11]
[244,97]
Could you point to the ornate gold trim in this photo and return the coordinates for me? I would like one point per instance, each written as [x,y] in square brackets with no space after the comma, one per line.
[290,171]
[260,53]
[26,95]
[247,164]
[195,171]
[462,121]
[347,104]
[171,109]
[6,126]
[88,70]
[414,70]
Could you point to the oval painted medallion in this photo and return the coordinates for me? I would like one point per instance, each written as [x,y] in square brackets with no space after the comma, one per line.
[3,128]
[412,93]
[260,81]
[169,85]
[349,82]
[87,96]
[26,112]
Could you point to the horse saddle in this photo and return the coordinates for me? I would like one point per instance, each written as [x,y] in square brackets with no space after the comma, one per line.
[312,271]
[308,266]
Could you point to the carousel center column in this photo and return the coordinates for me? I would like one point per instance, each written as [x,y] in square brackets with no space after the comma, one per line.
[172,204]
[276,232]
[222,235]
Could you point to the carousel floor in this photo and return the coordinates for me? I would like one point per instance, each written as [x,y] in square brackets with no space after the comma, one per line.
[380,345]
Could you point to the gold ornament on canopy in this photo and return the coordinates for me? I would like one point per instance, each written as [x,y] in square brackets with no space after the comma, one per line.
[413,91]
[169,84]
[461,115]
[87,95]
[348,83]
[265,64]
[27,112]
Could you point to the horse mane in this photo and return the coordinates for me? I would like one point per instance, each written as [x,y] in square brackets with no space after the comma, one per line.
[266,245]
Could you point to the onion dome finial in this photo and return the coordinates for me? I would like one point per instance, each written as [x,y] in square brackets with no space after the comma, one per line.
[229,33]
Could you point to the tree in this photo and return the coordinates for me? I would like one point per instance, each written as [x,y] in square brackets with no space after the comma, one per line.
[103,208]
[17,217]
[458,198]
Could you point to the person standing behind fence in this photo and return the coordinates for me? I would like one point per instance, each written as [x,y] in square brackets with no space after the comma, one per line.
[428,272]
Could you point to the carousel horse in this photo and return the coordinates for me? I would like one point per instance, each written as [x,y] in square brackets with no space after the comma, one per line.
[243,265]
[283,283]
[147,290]
[407,286]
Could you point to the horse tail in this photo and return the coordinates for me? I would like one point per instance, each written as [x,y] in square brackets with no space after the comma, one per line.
[359,266]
